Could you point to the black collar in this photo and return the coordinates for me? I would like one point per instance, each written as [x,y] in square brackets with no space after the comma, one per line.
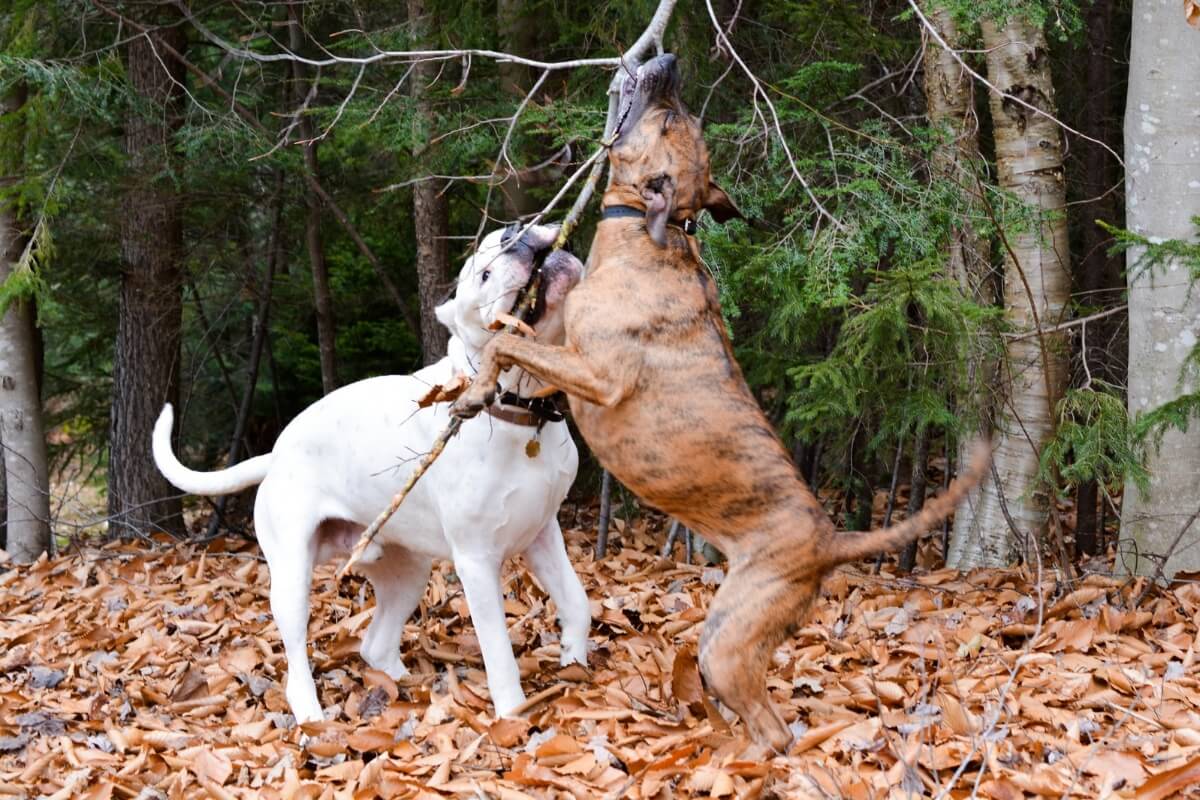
[544,408]
[687,224]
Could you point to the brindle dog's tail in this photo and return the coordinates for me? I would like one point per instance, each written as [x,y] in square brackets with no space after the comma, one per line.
[853,546]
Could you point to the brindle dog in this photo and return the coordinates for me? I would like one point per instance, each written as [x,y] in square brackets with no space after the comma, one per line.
[656,392]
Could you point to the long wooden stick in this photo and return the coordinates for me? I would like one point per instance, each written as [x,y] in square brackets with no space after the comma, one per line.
[653,35]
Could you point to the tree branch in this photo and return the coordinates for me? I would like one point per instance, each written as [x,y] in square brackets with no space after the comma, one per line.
[759,91]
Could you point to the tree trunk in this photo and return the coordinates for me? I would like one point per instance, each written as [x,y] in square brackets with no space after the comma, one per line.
[259,327]
[147,355]
[322,295]
[1029,155]
[518,34]
[431,212]
[949,95]
[1162,195]
[916,494]
[27,496]
[1099,281]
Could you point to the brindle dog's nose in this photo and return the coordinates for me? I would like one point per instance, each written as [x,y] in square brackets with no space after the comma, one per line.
[659,77]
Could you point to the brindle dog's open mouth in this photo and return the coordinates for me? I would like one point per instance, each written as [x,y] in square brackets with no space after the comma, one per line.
[655,81]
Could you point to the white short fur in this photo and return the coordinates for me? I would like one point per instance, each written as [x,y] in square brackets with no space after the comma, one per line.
[336,466]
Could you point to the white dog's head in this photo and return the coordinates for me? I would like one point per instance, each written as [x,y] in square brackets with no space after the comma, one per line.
[494,276]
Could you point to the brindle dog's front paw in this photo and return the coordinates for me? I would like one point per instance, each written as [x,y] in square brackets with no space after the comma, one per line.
[471,402]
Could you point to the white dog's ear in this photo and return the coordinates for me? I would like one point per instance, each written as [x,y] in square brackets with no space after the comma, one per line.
[445,315]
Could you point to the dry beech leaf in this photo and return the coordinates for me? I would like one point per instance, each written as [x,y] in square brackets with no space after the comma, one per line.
[507,732]
[445,392]
[686,685]
[1165,784]
[508,320]
[212,766]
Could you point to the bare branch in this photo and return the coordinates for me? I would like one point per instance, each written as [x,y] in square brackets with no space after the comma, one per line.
[383,56]
[759,91]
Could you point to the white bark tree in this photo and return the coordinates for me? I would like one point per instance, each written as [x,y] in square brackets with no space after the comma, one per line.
[1162,158]
[1033,376]
[950,106]
[21,433]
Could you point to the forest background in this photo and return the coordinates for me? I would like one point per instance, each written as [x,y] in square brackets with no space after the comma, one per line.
[961,217]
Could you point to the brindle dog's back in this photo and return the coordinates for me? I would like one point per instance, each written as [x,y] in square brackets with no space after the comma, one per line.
[695,430]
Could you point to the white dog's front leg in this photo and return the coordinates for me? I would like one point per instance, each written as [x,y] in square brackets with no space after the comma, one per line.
[481,583]
[547,558]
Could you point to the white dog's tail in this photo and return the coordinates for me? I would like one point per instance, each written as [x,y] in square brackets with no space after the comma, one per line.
[224,481]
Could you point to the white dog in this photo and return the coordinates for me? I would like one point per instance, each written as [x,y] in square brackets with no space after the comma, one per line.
[490,495]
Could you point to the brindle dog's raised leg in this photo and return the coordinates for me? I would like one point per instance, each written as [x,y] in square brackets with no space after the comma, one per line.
[559,366]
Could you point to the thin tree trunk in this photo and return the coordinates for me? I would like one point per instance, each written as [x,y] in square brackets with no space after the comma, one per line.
[1029,154]
[916,495]
[260,326]
[322,295]
[518,34]
[26,498]
[146,359]
[1099,280]
[431,212]
[949,94]
[1162,196]
[606,484]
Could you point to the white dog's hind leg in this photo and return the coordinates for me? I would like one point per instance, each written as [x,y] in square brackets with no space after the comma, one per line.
[547,558]
[480,578]
[399,577]
[291,582]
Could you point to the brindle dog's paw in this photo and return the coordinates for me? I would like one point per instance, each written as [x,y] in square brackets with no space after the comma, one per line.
[470,403]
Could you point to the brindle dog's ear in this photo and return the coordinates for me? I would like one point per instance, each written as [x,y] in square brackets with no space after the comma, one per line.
[720,205]
[659,195]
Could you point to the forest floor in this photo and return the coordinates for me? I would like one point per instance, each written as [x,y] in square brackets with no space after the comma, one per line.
[154,670]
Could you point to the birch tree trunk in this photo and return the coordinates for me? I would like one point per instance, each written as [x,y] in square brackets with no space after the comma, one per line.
[431,212]
[147,353]
[27,495]
[322,294]
[1162,194]
[1029,154]
[950,103]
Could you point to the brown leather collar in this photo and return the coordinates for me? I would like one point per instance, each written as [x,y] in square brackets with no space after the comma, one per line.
[517,416]
[532,412]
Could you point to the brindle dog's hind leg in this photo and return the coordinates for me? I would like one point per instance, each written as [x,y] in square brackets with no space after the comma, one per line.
[756,608]
[559,366]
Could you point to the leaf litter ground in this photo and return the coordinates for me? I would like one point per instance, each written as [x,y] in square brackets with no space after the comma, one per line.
[137,670]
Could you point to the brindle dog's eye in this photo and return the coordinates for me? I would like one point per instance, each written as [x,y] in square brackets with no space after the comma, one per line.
[486,274]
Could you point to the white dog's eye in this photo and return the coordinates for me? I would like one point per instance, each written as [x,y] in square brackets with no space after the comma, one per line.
[486,274]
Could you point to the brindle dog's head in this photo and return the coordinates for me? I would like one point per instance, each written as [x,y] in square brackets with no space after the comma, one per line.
[659,159]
